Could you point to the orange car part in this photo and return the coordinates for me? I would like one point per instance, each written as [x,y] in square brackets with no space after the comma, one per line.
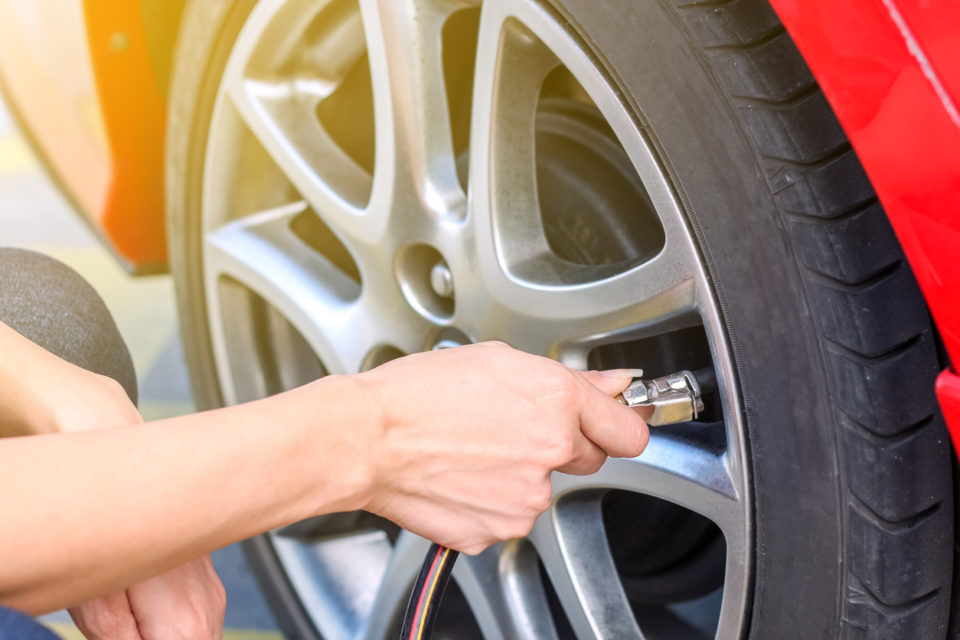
[134,116]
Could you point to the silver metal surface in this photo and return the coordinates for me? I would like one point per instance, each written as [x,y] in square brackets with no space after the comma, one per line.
[674,398]
[270,161]
[441,280]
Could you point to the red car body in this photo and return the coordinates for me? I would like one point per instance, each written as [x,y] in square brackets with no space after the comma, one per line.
[890,68]
[891,71]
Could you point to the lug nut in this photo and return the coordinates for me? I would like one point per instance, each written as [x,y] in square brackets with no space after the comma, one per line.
[426,282]
[441,280]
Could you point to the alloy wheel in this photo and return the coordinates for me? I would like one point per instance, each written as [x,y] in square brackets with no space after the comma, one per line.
[387,177]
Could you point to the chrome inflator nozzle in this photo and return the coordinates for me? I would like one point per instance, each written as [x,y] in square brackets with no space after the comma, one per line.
[674,398]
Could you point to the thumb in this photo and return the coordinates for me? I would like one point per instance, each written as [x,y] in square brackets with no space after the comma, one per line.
[613,381]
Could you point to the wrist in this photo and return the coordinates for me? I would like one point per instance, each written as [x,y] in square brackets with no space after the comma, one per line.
[380,414]
[340,433]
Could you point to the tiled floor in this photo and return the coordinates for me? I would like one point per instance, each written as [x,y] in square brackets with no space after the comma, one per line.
[33,215]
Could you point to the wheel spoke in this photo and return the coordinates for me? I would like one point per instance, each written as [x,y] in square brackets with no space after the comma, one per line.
[518,269]
[504,207]
[565,321]
[675,469]
[329,309]
[416,167]
[283,118]
[505,592]
[567,536]
[337,579]
[572,543]
[281,109]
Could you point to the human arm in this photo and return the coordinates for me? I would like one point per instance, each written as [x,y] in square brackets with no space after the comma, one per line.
[99,510]
[399,440]
[187,601]
[42,393]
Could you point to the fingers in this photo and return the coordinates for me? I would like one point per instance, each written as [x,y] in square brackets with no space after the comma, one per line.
[472,528]
[612,382]
[106,618]
[185,602]
[616,429]
[587,459]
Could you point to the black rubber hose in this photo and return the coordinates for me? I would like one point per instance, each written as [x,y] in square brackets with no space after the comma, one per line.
[424,603]
[707,379]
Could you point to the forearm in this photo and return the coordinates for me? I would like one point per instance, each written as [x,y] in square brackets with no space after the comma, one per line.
[99,510]
[91,512]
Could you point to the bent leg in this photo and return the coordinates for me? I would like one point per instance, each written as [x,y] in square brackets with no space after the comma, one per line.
[50,304]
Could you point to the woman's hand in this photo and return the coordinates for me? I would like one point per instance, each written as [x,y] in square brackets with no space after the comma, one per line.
[471,436]
[186,602]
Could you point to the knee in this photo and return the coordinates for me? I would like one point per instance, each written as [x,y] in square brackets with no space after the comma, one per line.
[49,303]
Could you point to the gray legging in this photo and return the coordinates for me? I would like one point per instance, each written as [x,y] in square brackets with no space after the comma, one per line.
[49,303]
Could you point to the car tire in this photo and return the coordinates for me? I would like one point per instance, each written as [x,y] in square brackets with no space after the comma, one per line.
[849,462]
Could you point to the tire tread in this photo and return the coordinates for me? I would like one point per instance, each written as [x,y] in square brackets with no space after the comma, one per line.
[875,331]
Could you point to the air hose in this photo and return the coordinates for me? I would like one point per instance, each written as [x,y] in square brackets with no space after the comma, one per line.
[427,593]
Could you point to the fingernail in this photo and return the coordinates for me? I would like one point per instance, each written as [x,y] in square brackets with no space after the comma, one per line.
[622,373]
